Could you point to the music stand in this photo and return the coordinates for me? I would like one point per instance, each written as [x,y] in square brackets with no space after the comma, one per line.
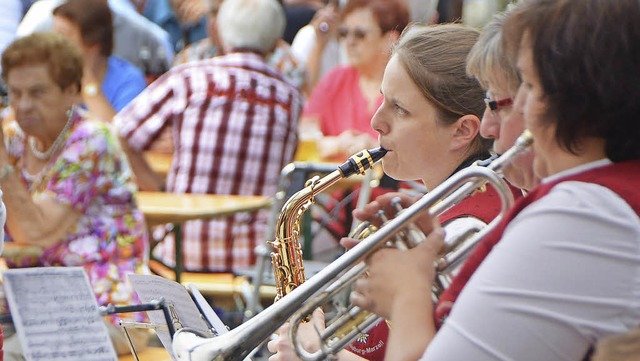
[154,305]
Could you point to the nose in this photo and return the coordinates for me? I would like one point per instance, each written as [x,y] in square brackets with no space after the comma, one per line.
[489,125]
[378,123]
[21,103]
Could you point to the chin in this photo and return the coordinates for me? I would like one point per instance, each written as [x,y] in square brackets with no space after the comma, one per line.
[390,168]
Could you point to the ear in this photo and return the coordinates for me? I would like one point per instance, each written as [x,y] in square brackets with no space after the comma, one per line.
[465,130]
[71,89]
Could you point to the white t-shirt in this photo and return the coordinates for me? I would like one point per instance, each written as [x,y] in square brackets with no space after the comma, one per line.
[565,274]
[304,41]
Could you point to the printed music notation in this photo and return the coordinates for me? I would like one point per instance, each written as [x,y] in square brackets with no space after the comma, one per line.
[56,315]
[183,311]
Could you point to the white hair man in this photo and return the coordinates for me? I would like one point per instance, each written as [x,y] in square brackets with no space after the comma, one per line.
[234,121]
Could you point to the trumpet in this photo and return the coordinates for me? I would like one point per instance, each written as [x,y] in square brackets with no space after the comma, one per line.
[344,328]
[306,297]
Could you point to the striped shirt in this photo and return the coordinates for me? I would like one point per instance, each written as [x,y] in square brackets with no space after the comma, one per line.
[234,121]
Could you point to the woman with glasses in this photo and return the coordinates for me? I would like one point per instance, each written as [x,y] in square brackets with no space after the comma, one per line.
[488,63]
[345,99]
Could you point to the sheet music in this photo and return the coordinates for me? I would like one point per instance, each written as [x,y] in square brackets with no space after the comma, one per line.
[209,314]
[184,312]
[56,315]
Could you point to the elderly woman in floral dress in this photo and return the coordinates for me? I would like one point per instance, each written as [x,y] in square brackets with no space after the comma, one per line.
[67,185]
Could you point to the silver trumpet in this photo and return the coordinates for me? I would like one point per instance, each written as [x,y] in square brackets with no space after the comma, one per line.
[301,301]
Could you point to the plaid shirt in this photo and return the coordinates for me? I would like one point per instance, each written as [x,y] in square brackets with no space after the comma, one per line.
[234,123]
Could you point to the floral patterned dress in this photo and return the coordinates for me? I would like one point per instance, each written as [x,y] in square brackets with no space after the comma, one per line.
[91,175]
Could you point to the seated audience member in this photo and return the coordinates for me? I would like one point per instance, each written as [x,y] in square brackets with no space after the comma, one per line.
[184,20]
[343,102]
[281,57]
[532,295]
[67,185]
[429,122]
[316,45]
[234,121]
[136,38]
[109,82]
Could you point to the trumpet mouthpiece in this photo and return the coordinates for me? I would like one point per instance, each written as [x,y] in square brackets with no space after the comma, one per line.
[525,139]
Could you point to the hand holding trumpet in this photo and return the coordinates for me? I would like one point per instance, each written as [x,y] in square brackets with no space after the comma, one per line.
[282,347]
[376,292]
[399,279]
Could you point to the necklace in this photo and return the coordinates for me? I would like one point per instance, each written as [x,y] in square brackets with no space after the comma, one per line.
[56,144]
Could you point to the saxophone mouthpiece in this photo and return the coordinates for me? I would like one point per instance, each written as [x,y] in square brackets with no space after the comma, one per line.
[377,153]
[361,161]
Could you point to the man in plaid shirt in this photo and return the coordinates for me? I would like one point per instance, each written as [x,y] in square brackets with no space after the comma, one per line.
[234,120]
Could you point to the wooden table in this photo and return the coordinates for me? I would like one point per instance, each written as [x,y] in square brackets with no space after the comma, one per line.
[160,207]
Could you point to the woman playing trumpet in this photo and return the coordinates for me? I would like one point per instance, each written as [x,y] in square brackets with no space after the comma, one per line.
[429,122]
[564,272]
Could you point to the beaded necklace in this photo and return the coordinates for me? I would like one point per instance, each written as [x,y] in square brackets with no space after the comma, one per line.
[56,144]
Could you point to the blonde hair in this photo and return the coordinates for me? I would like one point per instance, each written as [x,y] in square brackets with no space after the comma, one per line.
[487,60]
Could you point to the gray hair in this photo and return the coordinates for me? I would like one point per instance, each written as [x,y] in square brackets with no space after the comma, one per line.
[251,24]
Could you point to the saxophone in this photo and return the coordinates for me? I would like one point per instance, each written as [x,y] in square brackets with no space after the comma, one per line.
[287,255]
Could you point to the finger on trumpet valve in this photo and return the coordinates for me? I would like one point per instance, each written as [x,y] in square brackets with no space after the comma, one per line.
[412,235]
[324,27]
[396,202]
[383,220]
[383,217]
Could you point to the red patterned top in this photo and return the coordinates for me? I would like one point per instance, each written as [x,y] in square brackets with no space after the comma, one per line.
[234,121]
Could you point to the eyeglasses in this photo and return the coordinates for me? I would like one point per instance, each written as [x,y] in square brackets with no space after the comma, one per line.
[358,33]
[498,104]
